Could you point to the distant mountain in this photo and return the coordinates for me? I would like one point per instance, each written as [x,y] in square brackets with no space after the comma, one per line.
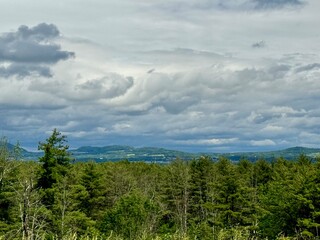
[12,147]
[101,150]
[162,155]
[116,153]
[289,154]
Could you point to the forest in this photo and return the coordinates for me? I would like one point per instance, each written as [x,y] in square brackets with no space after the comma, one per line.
[59,198]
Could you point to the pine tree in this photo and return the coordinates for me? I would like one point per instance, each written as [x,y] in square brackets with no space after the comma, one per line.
[176,194]
[93,205]
[55,163]
[200,209]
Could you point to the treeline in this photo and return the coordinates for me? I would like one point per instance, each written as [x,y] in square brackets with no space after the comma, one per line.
[56,198]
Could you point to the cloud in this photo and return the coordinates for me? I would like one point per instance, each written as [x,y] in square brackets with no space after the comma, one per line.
[308,67]
[269,4]
[242,5]
[151,71]
[210,90]
[110,86]
[260,44]
[260,143]
[232,105]
[209,142]
[82,91]
[31,50]
[24,70]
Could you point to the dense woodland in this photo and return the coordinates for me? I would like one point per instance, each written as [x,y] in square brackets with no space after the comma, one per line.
[58,198]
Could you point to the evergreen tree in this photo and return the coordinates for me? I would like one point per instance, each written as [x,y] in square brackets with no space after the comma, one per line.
[176,195]
[200,210]
[55,164]
[67,209]
[93,204]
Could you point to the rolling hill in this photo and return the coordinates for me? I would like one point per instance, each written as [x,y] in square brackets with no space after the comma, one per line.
[162,155]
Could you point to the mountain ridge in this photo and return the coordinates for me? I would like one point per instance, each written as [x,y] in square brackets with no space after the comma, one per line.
[162,155]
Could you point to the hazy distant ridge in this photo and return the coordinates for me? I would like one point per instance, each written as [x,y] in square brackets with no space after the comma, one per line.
[153,154]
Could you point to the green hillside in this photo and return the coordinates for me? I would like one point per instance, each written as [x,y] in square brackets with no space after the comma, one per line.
[116,153]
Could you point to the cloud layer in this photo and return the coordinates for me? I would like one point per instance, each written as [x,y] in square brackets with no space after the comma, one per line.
[234,76]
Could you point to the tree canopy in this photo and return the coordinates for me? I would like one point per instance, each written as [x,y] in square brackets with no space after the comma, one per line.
[198,199]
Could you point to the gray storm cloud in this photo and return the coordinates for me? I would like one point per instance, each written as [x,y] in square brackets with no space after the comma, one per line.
[31,51]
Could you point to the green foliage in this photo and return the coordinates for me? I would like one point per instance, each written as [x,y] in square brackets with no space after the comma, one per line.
[238,233]
[55,160]
[55,163]
[176,196]
[94,202]
[200,173]
[131,217]
[8,171]
[197,199]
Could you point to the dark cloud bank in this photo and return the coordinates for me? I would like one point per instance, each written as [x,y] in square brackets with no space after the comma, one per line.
[31,51]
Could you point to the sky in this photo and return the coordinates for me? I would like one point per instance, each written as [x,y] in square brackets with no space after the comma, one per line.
[196,75]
